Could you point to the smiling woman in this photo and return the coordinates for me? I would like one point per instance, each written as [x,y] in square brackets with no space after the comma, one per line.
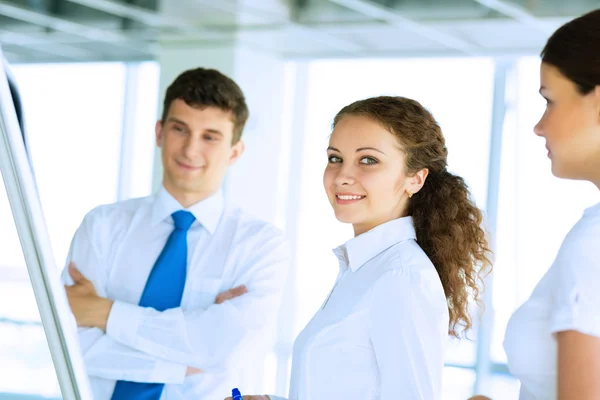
[463,107]
[413,157]
[416,256]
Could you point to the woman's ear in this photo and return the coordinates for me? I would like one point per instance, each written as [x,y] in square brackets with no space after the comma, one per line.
[417,180]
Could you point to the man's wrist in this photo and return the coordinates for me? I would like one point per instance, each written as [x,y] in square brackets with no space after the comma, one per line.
[102,312]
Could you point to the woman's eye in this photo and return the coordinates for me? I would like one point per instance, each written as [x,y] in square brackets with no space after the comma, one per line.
[334,159]
[368,161]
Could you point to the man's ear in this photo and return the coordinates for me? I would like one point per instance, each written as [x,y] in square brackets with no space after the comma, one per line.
[158,130]
[236,151]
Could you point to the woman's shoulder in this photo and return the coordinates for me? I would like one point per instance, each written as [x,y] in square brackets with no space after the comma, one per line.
[577,263]
[575,297]
[405,257]
[584,237]
[406,265]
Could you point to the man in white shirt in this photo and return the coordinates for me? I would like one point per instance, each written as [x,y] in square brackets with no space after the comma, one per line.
[144,274]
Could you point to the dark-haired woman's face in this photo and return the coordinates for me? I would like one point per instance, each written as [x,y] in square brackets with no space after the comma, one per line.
[365,176]
[570,125]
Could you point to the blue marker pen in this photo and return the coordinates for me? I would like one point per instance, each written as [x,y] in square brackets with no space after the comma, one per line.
[235,393]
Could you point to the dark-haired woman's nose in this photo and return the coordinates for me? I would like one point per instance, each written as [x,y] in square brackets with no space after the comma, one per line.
[538,129]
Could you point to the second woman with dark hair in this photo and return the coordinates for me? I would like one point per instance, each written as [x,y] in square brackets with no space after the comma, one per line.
[406,278]
[552,341]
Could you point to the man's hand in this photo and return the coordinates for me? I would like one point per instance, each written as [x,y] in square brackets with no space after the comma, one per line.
[89,309]
[193,371]
[231,294]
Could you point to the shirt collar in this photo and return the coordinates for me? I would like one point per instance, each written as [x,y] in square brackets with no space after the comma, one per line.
[592,209]
[357,251]
[207,212]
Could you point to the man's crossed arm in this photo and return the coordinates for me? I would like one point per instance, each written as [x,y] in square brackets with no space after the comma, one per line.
[92,311]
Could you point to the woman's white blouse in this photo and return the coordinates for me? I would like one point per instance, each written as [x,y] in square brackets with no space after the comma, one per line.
[382,331]
[566,298]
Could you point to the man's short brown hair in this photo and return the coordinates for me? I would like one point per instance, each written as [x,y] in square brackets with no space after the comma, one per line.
[203,87]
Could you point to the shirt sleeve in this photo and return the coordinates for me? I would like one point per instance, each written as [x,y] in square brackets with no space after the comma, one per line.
[576,297]
[408,326]
[213,338]
[103,356]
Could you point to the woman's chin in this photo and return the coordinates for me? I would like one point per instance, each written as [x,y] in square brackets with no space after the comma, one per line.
[344,217]
[559,171]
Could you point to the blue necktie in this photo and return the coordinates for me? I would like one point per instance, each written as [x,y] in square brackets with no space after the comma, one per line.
[163,291]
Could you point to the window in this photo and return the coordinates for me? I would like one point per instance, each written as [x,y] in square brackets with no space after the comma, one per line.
[74,117]
[24,354]
[138,140]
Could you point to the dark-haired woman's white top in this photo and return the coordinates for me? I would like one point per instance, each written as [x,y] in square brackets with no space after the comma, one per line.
[566,298]
[381,333]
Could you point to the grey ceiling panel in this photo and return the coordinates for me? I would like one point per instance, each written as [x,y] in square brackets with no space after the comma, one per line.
[103,30]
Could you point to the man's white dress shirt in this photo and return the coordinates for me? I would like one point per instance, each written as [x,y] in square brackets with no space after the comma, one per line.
[116,247]
[566,298]
[381,333]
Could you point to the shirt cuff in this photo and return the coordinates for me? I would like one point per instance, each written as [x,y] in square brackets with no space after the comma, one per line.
[572,318]
[123,322]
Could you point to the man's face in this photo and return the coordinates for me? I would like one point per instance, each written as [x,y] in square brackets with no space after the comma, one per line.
[196,147]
